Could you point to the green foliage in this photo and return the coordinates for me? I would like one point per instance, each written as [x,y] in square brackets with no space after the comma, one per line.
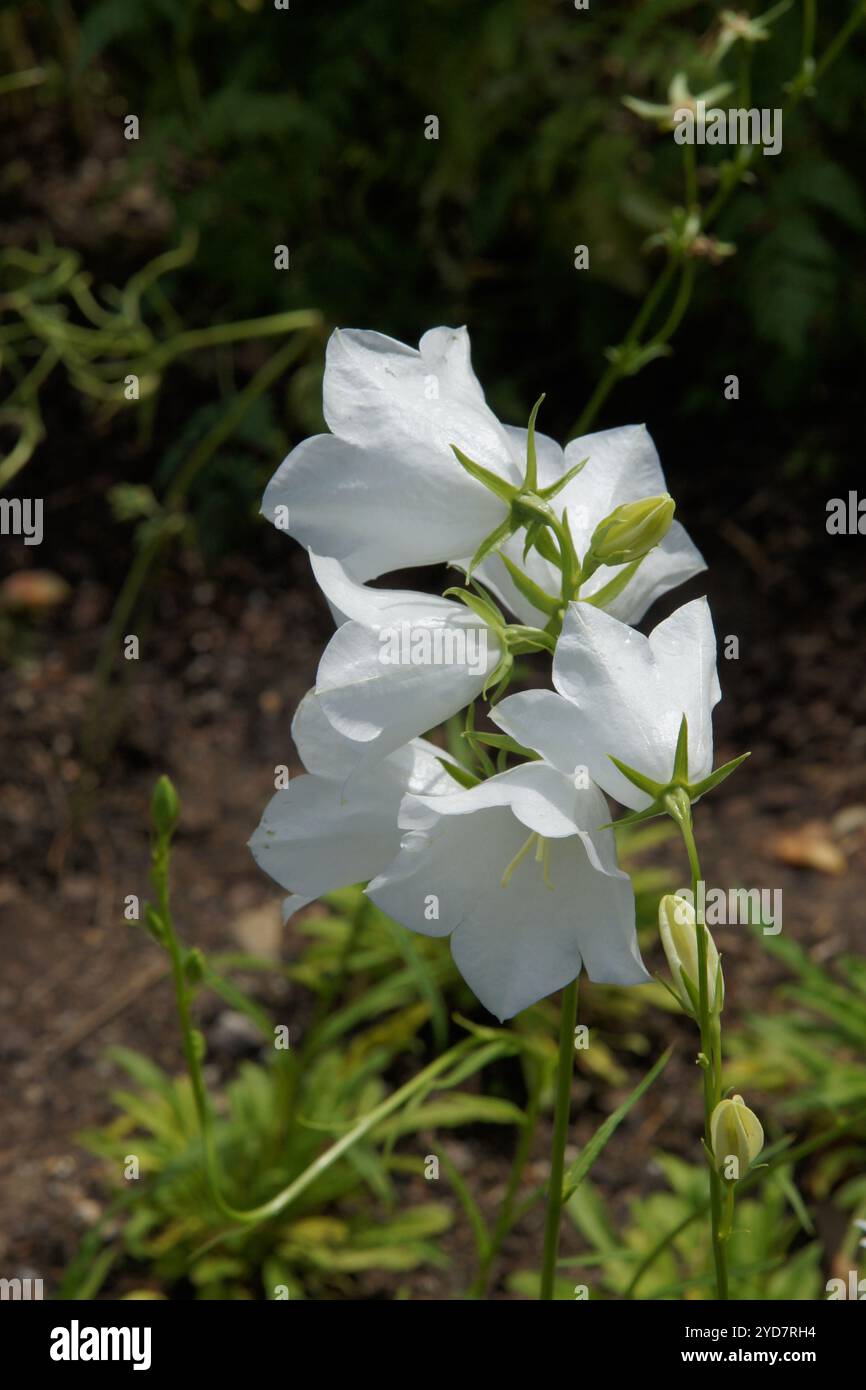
[662,1249]
[114,347]
[376,992]
[266,127]
[172,1231]
[768,1257]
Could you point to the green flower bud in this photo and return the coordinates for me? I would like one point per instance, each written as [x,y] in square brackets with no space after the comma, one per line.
[154,924]
[736,1137]
[164,807]
[194,966]
[679,934]
[631,531]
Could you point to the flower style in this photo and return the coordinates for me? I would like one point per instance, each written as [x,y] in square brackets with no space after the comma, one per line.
[319,833]
[524,911]
[620,699]
[400,663]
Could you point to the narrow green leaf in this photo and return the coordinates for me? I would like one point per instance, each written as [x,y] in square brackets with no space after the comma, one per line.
[582,1165]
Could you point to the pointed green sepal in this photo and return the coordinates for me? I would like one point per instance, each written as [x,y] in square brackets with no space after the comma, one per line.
[461,775]
[490,543]
[505,491]
[637,779]
[483,607]
[635,817]
[530,481]
[506,744]
[532,592]
[546,548]
[547,493]
[516,635]
[681,756]
[716,777]
[498,679]
[533,531]
[602,597]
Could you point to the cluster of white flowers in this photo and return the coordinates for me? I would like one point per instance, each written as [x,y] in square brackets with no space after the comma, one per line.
[519,867]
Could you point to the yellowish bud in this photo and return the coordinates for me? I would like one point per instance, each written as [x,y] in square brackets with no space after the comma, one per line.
[631,530]
[679,934]
[736,1137]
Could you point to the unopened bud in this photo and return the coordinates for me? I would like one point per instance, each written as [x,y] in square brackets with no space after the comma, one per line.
[164,807]
[679,933]
[631,530]
[194,966]
[736,1137]
[154,924]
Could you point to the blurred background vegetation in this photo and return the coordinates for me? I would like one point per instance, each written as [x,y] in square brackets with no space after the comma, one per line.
[261,127]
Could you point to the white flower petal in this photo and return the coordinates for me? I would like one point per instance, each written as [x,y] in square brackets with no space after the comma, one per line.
[380,509]
[545,722]
[315,836]
[623,466]
[379,393]
[673,562]
[311,839]
[321,749]
[411,662]
[630,693]
[518,943]
[379,607]
[541,798]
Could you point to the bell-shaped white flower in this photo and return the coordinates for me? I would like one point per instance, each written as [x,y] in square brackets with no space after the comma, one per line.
[384,490]
[400,664]
[622,466]
[622,695]
[324,831]
[517,873]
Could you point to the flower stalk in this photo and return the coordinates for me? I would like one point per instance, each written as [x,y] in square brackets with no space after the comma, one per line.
[562,1109]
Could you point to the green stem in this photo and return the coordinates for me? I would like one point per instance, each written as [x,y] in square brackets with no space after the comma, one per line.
[614,371]
[160,879]
[751,1180]
[833,49]
[710,1030]
[809,17]
[505,1219]
[254,1215]
[562,1110]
